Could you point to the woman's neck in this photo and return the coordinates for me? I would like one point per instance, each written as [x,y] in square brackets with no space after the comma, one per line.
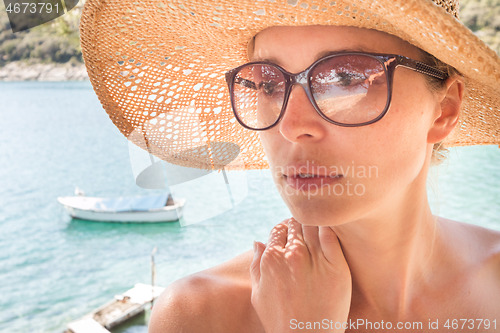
[390,254]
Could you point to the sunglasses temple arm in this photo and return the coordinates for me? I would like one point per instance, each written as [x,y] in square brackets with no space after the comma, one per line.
[421,67]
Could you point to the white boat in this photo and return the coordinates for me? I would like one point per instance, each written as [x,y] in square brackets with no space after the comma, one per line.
[145,209]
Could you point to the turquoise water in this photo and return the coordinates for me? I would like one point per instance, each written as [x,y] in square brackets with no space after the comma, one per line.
[55,136]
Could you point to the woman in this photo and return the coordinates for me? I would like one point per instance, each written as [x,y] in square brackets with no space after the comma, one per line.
[349,141]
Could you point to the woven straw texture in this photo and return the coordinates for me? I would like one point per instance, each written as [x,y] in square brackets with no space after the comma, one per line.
[158,67]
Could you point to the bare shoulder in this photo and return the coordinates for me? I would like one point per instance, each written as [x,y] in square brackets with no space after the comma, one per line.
[480,249]
[214,300]
[488,243]
[482,240]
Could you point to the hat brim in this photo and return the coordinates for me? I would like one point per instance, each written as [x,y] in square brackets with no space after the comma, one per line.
[158,68]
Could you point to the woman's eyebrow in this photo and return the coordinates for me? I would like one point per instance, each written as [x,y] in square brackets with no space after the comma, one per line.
[318,56]
[267,59]
[351,49]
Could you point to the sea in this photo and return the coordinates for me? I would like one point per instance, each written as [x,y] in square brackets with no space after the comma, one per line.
[55,137]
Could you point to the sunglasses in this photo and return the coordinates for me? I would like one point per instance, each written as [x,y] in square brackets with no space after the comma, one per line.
[346,89]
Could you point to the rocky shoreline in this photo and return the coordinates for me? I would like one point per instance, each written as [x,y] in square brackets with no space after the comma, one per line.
[19,71]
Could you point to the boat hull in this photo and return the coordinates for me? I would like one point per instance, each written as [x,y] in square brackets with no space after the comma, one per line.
[164,214]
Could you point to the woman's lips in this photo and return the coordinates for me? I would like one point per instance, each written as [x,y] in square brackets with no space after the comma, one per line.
[310,182]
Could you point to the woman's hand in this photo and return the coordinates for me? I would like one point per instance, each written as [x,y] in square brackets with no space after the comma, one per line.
[300,276]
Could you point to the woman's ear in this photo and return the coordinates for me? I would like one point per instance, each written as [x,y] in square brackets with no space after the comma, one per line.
[447,110]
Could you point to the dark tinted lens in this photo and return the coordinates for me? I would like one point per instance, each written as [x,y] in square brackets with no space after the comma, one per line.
[258,95]
[350,89]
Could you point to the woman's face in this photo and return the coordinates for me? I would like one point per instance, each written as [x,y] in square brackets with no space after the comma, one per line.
[328,174]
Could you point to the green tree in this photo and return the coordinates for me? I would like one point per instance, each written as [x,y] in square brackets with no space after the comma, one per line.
[483,17]
[56,41]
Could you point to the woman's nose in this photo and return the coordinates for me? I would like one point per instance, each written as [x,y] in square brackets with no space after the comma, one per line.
[301,121]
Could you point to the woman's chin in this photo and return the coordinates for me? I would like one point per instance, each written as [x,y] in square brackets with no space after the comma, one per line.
[319,213]
[328,205]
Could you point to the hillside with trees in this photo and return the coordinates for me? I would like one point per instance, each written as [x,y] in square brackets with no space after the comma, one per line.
[483,17]
[58,41]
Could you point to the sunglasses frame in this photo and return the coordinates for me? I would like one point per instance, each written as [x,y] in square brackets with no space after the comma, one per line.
[388,61]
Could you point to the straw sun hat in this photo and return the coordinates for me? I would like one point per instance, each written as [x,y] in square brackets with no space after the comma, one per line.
[158,67]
